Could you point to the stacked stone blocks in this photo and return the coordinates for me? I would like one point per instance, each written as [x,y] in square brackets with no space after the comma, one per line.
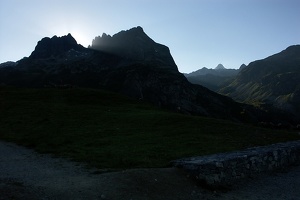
[227,168]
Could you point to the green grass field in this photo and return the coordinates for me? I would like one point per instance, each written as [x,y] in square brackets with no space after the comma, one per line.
[106,130]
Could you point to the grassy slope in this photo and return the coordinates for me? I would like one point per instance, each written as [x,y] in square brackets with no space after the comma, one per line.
[106,130]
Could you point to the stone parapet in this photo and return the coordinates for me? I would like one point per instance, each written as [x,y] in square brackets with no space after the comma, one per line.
[226,168]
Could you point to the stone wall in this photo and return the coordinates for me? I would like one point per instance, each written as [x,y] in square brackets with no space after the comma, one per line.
[226,168]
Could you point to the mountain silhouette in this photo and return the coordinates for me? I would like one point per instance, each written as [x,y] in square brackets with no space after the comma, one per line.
[273,81]
[130,63]
[54,46]
[135,45]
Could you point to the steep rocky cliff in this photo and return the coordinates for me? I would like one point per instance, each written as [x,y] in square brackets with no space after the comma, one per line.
[137,46]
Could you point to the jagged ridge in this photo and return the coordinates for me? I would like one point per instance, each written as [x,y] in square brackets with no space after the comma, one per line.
[136,45]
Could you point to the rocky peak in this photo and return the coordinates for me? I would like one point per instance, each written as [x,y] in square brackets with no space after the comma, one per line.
[220,67]
[135,45]
[242,67]
[54,46]
[121,42]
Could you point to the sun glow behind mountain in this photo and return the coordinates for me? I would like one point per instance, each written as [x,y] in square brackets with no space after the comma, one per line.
[77,28]
[199,33]
[79,36]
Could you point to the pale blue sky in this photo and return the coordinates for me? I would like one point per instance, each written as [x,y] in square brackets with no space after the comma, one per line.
[199,33]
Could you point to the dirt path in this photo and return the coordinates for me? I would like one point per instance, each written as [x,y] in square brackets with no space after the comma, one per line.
[25,174]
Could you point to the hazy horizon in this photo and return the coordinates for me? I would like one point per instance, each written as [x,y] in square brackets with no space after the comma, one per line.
[199,33]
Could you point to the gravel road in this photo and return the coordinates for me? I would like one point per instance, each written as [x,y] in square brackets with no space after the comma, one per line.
[25,174]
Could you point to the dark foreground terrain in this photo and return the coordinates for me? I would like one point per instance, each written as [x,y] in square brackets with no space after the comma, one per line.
[26,174]
[109,133]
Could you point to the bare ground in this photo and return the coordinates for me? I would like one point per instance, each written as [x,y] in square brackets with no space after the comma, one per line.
[25,174]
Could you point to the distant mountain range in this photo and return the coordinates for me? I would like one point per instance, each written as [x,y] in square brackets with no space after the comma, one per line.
[213,79]
[219,70]
[130,63]
[274,81]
